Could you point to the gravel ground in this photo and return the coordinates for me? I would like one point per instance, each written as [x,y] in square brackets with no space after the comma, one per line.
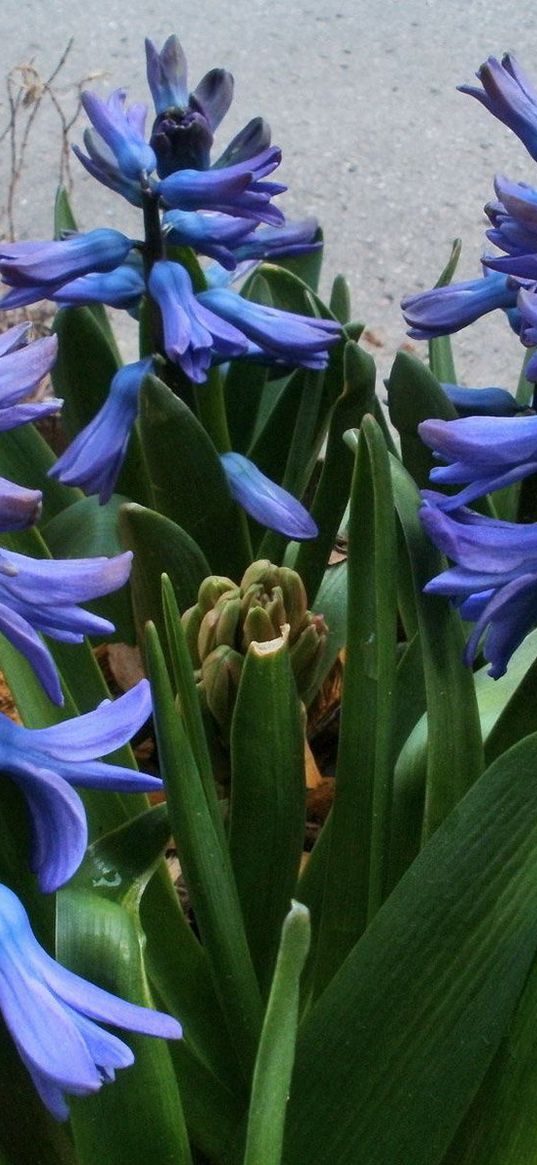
[361,96]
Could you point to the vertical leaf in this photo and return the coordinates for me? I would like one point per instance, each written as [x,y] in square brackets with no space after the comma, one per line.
[267,802]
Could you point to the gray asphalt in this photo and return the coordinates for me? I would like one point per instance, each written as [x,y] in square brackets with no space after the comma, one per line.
[361,97]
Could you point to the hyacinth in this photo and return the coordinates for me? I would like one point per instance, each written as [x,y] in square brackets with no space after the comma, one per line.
[485,452]
[227,618]
[266,501]
[43,595]
[447,309]
[482,402]
[53,1015]
[94,458]
[493,581]
[508,94]
[46,762]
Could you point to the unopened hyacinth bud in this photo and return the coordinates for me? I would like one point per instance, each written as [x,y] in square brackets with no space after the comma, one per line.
[227,618]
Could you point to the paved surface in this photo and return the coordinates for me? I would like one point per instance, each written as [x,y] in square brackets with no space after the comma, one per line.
[361,96]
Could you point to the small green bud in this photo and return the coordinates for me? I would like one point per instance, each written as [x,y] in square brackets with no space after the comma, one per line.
[211,589]
[258,628]
[220,676]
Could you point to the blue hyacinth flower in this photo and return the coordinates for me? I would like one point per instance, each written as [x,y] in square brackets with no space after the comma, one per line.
[101,163]
[122,129]
[46,762]
[121,288]
[275,335]
[94,458]
[508,94]
[236,190]
[182,134]
[482,402]
[513,217]
[493,582]
[22,366]
[43,595]
[293,238]
[53,1016]
[214,235]
[265,501]
[486,452]
[19,507]
[447,309]
[52,263]
[192,333]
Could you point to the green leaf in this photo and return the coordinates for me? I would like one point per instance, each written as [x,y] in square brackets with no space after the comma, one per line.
[64,219]
[360,816]
[26,458]
[403,1035]
[102,941]
[340,299]
[268,797]
[189,483]
[455,751]
[206,868]
[332,493]
[440,352]
[274,1063]
[331,602]
[414,395]
[159,545]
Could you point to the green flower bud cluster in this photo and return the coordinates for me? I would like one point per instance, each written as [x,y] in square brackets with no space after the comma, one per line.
[227,618]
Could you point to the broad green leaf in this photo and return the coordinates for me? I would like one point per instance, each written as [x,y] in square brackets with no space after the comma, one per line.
[206,869]
[274,1063]
[243,389]
[340,299]
[159,545]
[455,751]
[402,1037]
[26,458]
[499,1127]
[331,602]
[356,869]
[64,219]
[102,941]
[414,395]
[189,483]
[268,797]
[332,493]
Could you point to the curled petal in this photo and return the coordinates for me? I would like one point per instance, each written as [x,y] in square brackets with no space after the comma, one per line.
[265,501]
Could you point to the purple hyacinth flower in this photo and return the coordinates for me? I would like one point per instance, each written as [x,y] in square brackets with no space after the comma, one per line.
[120,288]
[50,264]
[101,163]
[509,95]
[192,333]
[447,309]
[482,402]
[276,335]
[265,501]
[122,128]
[486,452]
[293,238]
[46,762]
[236,190]
[215,235]
[19,507]
[513,218]
[493,581]
[94,458]
[182,134]
[22,366]
[43,595]
[250,141]
[50,1013]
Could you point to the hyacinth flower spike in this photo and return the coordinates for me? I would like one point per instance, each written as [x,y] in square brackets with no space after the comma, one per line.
[182,134]
[43,595]
[52,1016]
[486,452]
[493,581]
[265,501]
[46,762]
[508,94]
[94,458]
